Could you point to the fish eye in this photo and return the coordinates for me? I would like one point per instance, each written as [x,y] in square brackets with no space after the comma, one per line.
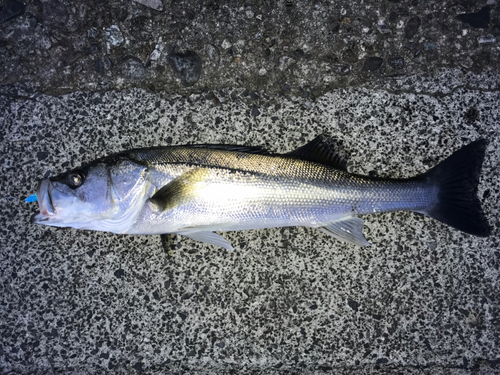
[75,179]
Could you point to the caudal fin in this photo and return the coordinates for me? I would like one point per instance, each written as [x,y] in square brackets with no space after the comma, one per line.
[457,178]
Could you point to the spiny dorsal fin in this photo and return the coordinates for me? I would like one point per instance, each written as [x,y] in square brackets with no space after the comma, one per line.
[248,149]
[319,151]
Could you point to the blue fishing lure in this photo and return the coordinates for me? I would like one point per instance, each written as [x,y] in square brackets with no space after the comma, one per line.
[31,198]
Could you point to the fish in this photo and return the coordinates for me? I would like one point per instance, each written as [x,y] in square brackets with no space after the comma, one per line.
[198,190]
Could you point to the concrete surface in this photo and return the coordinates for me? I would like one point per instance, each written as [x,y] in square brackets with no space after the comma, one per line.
[400,84]
[422,299]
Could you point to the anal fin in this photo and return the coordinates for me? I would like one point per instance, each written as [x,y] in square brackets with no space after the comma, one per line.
[210,238]
[348,230]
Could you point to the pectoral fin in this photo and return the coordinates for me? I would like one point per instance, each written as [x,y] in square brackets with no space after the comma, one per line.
[210,238]
[179,190]
[349,230]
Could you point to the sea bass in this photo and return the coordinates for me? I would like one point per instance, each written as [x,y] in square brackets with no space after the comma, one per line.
[199,189]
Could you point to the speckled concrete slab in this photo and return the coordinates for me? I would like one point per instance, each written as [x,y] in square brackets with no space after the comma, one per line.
[423,299]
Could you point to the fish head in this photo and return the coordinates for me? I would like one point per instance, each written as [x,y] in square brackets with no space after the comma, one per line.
[106,196]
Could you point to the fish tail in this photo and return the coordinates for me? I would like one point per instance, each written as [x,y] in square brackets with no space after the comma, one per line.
[457,178]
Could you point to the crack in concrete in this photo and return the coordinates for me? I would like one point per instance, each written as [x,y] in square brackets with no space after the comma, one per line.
[436,94]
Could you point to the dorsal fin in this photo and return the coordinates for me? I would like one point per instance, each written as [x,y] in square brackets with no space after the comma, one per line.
[319,151]
[248,149]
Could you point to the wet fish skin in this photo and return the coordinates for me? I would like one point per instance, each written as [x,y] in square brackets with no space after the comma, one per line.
[280,191]
[196,190]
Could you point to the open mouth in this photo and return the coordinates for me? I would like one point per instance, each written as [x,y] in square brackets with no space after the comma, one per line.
[44,202]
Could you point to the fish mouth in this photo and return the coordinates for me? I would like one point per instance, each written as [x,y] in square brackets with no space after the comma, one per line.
[45,205]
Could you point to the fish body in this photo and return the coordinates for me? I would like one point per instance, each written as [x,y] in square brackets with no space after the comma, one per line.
[197,190]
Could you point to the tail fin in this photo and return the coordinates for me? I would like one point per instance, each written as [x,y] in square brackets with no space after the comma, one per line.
[457,178]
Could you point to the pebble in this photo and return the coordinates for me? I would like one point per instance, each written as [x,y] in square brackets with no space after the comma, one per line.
[383,28]
[373,63]
[341,70]
[108,62]
[412,46]
[157,52]
[349,56]
[430,46]
[299,53]
[487,39]
[397,62]
[44,42]
[99,66]
[119,273]
[284,62]
[94,48]
[42,155]
[412,27]
[10,10]
[138,367]
[212,53]
[479,20]
[132,67]
[153,4]
[114,36]
[255,111]
[188,65]
[92,33]
[353,304]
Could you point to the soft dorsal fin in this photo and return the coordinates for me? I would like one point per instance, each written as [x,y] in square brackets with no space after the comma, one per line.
[248,149]
[320,151]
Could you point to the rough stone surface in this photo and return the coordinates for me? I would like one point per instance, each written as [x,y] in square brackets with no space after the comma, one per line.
[11,9]
[153,4]
[314,47]
[82,79]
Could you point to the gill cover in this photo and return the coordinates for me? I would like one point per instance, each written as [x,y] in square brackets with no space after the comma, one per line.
[99,197]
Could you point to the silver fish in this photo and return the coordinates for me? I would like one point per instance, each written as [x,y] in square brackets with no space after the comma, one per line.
[197,190]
